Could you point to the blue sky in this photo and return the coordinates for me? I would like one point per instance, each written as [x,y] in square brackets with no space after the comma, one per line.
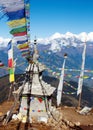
[50,16]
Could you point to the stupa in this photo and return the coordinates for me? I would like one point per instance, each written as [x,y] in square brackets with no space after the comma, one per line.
[35,100]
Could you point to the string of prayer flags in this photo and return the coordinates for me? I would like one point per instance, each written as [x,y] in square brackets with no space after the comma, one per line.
[57,74]
[70,85]
[18,19]
[69,93]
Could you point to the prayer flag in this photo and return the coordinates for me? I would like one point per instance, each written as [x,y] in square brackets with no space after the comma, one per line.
[16,23]
[19,14]
[10,62]
[18,30]
[20,34]
[60,86]
[1,64]
[80,82]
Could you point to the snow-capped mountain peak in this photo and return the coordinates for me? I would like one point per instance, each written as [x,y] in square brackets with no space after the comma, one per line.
[58,39]
[55,46]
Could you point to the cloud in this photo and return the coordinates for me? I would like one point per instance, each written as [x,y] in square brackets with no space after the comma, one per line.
[4,42]
[90,36]
[83,36]
[55,36]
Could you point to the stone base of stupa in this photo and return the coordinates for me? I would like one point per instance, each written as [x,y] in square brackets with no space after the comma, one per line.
[37,108]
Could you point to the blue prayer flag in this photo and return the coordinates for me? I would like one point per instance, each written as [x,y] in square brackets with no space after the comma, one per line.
[16,15]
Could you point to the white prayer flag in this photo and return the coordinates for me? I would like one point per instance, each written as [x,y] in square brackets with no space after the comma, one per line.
[60,86]
[80,82]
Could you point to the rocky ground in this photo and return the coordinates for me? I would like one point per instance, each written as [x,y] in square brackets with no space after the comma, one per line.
[63,118]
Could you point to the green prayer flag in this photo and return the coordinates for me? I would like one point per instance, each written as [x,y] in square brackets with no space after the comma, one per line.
[18,30]
[11,71]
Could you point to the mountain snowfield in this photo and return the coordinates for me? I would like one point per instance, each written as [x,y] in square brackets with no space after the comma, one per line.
[82,37]
[58,40]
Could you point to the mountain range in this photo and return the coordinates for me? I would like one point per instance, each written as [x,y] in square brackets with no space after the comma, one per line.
[52,50]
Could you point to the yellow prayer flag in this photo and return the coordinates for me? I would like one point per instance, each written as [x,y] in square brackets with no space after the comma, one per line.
[11,78]
[23,45]
[85,77]
[15,23]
